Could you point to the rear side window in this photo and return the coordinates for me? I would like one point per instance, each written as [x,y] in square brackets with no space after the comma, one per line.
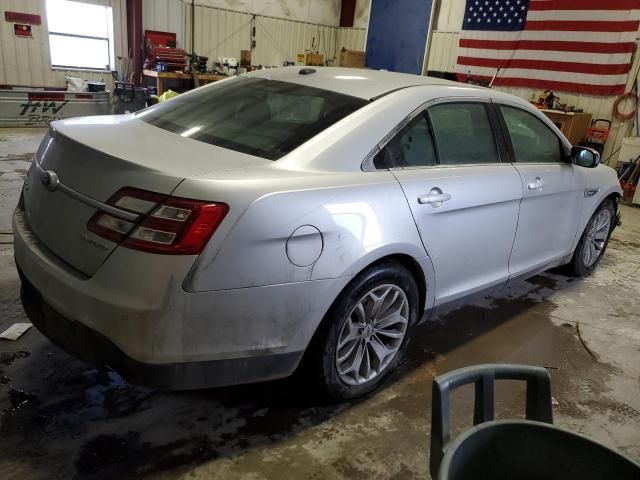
[411,147]
[463,133]
[532,140]
[261,117]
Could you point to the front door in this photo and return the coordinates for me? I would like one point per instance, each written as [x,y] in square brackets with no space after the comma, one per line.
[464,201]
[551,193]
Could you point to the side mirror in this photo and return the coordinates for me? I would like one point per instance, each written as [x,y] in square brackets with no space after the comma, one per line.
[585,157]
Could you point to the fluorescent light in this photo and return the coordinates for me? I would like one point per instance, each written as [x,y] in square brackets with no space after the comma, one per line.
[191,131]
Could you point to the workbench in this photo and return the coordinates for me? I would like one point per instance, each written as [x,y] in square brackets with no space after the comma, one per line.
[573,125]
[160,77]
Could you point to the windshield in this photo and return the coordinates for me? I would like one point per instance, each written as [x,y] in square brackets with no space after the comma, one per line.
[266,118]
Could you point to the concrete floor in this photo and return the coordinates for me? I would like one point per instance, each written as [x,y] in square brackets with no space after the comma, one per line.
[61,419]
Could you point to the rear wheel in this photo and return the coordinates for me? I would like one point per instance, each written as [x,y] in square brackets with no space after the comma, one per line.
[594,240]
[369,326]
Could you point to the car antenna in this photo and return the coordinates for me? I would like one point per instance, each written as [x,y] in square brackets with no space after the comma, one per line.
[494,77]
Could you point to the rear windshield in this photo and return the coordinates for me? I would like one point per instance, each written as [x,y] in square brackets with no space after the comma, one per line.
[265,118]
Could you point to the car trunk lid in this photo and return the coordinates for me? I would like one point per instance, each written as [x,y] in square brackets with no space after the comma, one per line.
[82,163]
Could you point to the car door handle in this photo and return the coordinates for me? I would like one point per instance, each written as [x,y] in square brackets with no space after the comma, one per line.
[434,198]
[536,185]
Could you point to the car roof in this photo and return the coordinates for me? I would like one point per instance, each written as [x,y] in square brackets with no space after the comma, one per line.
[357,82]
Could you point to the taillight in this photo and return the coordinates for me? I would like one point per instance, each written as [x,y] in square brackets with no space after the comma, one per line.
[166,225]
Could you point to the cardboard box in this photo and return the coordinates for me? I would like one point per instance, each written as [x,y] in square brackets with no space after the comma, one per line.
[314,59]
[352,58]
[245,58]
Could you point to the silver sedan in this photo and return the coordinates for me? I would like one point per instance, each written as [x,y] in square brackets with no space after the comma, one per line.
[295,215]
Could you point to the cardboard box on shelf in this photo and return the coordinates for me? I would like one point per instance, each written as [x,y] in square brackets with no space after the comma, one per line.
[314,59]
[352,58]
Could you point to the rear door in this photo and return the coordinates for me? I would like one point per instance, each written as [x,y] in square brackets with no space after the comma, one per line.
[551,190]
[463,199]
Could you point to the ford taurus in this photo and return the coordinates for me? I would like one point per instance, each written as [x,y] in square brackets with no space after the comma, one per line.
[219,237]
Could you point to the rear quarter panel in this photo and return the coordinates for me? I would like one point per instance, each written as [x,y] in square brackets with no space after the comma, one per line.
[361,217]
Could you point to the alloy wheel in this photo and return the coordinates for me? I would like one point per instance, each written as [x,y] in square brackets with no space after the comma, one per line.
[372,334]
[596,238]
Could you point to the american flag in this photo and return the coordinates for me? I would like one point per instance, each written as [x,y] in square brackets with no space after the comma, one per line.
[567,45]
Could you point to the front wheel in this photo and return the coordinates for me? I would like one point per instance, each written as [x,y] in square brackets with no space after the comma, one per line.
[368,330]
[594,240]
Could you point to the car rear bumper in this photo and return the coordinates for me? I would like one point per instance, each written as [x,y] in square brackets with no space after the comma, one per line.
[96,349]
[140,322]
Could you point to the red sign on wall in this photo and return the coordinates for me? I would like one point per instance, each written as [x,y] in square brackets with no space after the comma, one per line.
[22,30]
[28,18]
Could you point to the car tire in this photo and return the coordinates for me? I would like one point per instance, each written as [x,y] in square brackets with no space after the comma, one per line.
[594,241]
[385,291]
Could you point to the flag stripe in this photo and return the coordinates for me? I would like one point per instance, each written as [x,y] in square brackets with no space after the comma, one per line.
[585,15]
[603,37]
[551,85]
[550,55]
[586,47]
[582,26]
[574,67]
[533,74]
[536,5]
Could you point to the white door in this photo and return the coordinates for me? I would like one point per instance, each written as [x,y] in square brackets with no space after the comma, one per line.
[464,201]
[551,193]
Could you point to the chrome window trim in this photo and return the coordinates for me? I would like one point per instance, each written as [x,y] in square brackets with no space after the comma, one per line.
[367,163]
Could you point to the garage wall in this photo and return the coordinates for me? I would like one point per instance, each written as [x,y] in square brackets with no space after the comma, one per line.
[361,18]
[444,52]
[26,61]
[325,12]
[224,32]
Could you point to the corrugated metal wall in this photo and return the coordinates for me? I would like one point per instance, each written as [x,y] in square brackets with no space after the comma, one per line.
[351,38]
[223,33]
[444,52]
[26,61]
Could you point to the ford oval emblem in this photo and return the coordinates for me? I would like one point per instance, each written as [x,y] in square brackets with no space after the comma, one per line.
[50,180]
